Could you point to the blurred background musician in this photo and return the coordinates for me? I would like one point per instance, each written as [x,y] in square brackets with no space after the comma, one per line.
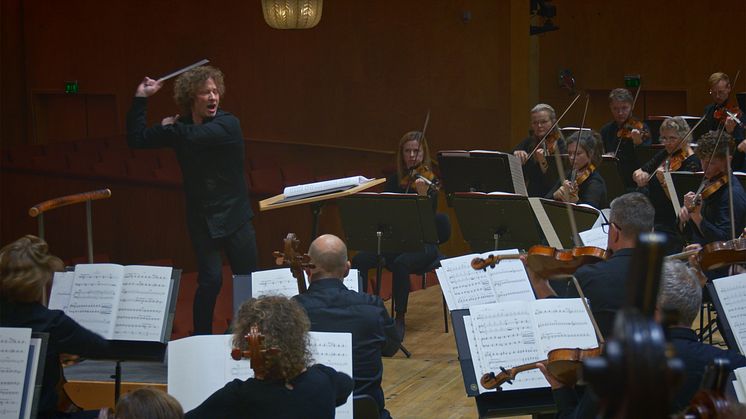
[331,307]
[677,156]
[414,174]
[26,268]
[535,169]
[720,89]
[623,134]
[583,183]
[293,386]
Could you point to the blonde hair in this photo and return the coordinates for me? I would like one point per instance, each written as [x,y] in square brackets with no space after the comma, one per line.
[26,267]
[187,85]
[718,77]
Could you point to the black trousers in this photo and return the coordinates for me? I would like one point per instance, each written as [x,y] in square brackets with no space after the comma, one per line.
[239,247]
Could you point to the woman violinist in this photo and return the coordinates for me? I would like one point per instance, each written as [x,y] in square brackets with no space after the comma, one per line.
[286,384]
[26,268]
[535,169]
[584,185]
[413,175]
[623,134]
[706,216]
[677,156]
[716,115]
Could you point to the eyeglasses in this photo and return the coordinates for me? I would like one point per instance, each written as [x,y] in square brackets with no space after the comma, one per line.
[605,227]
[668,139]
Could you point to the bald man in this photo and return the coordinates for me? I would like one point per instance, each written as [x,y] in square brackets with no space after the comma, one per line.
[333,308]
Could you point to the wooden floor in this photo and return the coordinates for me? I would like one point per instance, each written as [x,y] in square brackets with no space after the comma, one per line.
[429,384]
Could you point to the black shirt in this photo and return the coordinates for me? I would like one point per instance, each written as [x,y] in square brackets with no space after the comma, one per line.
[715,225]
[331,307]
[626,155]
[739,160]
[538,183]
[315,394]
[65,336]
[211,156]
[592,191]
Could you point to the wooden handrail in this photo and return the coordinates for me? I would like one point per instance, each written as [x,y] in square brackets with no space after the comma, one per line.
[68,200]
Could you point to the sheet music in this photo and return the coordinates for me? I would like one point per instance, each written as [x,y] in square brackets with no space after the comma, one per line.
[192,382]
[731,291]
[14,351]
[476,356]
[334,350]
[326,186]
[516,173]
[352,280]
[506,338]
[740,384]
[59,296]
[143,302]
[29,385]
[672,193]
[546,226]
[94,297]
[563,323]
[274,282]
[465,286]
[509,279]
[595,237]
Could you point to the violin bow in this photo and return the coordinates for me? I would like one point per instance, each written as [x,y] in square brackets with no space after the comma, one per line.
[599,335]
[634,102]
[681,141]
[544,138]
[419,143]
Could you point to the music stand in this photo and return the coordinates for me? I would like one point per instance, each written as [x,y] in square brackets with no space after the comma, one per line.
[643,153]
[480,171]
[493,222]
[499,403]
[556,211]
[609,171]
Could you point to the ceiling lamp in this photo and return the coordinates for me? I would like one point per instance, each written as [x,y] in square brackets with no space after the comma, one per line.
[292,14]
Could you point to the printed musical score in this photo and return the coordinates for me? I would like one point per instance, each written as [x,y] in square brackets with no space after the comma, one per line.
[142,303]
[731,291]
[282,282]
[14,350]
[94,296]
[62,286]
[334,350]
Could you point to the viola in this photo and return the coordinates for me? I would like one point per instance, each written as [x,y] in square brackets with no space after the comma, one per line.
[261,358]
[423,172]
[295,260]
[563,363]
[547,261]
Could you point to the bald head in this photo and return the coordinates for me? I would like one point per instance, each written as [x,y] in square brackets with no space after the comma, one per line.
[329,256]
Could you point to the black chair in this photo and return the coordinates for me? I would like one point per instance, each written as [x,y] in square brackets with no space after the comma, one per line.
[364,406]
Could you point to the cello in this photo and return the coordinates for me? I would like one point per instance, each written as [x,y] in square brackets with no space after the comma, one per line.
[294,260]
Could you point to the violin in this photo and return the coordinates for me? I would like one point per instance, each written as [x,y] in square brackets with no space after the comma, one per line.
[420,172]
[632,124]
[584,174]
[563,363]
[722,113]
[671,164]
[547,261]
[261,358]
[708,189]
[297,262]
[551,142]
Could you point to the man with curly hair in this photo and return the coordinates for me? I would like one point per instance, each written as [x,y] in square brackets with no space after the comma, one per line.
[210,149]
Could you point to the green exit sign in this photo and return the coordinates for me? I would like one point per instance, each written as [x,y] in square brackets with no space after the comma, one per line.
[71,87]
[632,81]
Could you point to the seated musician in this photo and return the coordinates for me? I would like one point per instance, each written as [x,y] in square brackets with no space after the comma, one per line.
[150,403]
[707,215]
[331,307]
[603,283]
[720,88]
[679,296]
[26,268]
[535,168]
[583,183]
[623,134]
[677,156]
[293,387]
[413,175]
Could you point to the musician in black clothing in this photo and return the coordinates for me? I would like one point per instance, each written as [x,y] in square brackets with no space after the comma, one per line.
[538,183]
[292,387]
[620,104]
[583,183]
[677,156]
[210,149]
[720,88]
[26,268]
[331,307]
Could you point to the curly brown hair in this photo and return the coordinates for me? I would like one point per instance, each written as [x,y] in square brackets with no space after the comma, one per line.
[26,267]
[187,85]
[706,145]
[285,325]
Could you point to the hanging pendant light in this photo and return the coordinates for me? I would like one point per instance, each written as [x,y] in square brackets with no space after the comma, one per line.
[292,14]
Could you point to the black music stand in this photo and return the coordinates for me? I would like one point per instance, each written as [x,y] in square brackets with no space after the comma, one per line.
[609,171]
[480,171]
[493,222]
[387,223]
[557,212]
[533,401]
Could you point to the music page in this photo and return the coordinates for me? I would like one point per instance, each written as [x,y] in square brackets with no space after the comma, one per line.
[273,282]
[563,323]
[462,285]
[94,298]
[509,279]
[143,302]
[731,291]
[62,285]
[14,350]
[334,350]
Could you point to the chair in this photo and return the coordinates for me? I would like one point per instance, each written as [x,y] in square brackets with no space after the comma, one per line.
[364,406]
